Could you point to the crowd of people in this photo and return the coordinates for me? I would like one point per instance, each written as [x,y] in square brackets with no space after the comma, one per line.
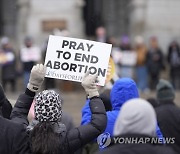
[146,64]
[113,120]
[28,55]
[143,62]
[148,128]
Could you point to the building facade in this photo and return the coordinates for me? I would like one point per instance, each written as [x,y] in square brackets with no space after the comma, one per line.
[156,18]
[39,18]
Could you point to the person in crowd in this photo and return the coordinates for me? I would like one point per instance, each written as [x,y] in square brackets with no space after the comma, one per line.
[141,69]
[174,62]
[47,134]
[137,123]
[168,113]
[123,90]
[128,59]
[155,62]
[101,34]
[8,62]
[29,55]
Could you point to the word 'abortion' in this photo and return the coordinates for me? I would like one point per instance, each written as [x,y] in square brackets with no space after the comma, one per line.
[78,57]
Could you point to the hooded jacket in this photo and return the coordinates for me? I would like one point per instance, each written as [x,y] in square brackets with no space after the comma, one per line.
[137,117]
[123,90]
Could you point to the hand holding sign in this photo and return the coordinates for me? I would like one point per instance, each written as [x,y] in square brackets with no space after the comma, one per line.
[36,77]
[70,59]
[89,84]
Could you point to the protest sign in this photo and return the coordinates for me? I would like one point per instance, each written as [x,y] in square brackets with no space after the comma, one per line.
[70,58]
[129,58]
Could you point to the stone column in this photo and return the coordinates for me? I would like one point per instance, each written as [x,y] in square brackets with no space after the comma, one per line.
[23,11]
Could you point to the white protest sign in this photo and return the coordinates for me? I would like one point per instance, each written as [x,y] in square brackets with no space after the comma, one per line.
[70,58]
[129,58]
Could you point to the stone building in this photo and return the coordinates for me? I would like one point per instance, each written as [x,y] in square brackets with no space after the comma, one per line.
[8,14]
[139,17]
[156,18]
[39,18]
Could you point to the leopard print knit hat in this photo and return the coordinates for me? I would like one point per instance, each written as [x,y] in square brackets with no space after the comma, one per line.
[48,106]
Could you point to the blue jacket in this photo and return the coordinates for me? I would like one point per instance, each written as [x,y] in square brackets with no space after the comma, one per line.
[123,90]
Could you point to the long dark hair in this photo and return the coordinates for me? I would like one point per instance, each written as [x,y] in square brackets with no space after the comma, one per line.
[44,140]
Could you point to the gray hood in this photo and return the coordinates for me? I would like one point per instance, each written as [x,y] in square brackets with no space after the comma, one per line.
[137,116]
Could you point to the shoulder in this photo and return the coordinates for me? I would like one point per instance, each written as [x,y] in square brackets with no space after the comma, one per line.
[11,126]
[170,107]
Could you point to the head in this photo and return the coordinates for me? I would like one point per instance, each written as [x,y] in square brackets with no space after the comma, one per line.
[123,90]
[174,46]
[47,111]
[28,42]
[154,42]
[125,40]
[137,116]
[5,42]
[125,43]
[100,31]
[165,91]
[139,41]
[48,106]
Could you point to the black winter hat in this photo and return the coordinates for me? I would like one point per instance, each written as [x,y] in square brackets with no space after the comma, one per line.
[165,91]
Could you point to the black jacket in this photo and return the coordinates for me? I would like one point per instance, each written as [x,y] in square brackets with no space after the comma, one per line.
[174,64]
[9,68]
[155,61]
[168,116]
[13,138]
[76,137]
[140,148]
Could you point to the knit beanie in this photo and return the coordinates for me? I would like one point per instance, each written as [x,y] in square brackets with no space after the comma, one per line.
[137,116]
[164,91]
[48,106]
